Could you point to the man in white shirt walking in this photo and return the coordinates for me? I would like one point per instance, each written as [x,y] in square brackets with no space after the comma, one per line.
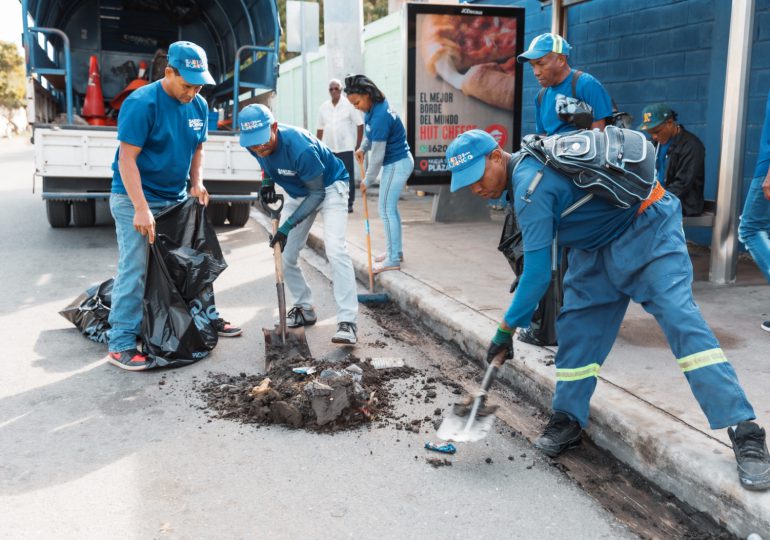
[341,128]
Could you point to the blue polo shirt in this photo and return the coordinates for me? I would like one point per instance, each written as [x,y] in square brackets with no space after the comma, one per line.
[763,158]
[299,157]
[591,226]
[168,132]
[587,89]
[383,124]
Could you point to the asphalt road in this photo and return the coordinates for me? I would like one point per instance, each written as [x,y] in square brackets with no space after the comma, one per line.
[91,451]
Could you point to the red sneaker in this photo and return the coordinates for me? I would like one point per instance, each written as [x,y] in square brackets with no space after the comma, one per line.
[225,329]
[131,360]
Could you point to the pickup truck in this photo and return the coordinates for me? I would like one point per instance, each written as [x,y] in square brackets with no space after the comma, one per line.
[74,151]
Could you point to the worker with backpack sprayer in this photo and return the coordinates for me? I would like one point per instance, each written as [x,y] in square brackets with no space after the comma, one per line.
[626,243]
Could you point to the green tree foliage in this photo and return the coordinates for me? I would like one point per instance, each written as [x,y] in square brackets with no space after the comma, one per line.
[373,10]
[12,86]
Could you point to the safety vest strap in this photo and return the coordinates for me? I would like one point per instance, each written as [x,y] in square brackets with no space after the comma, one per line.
[702,359]
[576,374]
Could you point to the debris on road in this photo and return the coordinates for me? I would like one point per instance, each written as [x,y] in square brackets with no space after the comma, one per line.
[322,397]
[438,462]
[386,362]
[448,448]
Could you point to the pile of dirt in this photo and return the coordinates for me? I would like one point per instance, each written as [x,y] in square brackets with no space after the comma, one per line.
[311,395]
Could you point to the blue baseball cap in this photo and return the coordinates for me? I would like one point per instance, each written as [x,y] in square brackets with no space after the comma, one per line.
[466,157]
[254,122]
[544,44]
[190,61]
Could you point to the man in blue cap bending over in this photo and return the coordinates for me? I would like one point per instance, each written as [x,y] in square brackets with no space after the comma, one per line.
[556,109]
[315,181]
[161,128]
[616,255]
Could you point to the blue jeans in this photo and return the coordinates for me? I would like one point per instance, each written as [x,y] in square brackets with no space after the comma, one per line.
[128,288]
[394,177]
[755,226]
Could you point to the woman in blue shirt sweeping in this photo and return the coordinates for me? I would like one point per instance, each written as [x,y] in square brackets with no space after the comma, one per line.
[385,139]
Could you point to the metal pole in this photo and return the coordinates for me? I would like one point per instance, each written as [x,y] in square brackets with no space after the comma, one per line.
[724,241]
[237,76]
[67,64]
[303,52]
[557,18]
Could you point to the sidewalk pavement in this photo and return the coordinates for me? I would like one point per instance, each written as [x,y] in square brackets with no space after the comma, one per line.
[456,282]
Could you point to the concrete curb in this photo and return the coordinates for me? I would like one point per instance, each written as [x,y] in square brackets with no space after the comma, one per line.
[683,460]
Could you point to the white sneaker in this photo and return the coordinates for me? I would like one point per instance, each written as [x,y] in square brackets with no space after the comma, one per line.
[382,257]
[346,333]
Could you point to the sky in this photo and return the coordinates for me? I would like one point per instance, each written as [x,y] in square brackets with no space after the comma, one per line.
[10,21]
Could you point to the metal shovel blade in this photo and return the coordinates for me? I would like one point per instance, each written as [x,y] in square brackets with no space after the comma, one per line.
[460,426]
[471,420]
[295,344]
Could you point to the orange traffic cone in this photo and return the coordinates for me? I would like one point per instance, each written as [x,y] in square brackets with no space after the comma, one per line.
[93,106]
[140,81]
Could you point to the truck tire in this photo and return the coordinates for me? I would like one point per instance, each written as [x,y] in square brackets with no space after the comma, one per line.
[84,213]
[217,213]
[58,213]
[238,214]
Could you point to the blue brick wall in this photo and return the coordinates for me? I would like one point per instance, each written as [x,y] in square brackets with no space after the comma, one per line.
[675,51]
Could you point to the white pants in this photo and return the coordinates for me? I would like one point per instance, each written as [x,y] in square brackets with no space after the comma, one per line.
[334,210]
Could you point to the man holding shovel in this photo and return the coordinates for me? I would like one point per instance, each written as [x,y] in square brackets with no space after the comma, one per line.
[315,181]
[616,255]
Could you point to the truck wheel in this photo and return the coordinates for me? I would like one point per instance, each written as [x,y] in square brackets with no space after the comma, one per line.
[217,213]
[84,213]
[238,213]
[58,213]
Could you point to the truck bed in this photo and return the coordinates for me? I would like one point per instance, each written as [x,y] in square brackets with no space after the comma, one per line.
[88,152]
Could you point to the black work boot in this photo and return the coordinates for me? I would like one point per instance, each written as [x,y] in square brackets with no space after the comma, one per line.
[751,454]
[561,433]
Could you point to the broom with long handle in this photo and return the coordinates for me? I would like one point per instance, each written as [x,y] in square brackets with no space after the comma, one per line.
[372,297]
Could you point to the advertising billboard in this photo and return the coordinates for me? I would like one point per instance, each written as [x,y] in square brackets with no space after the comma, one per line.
[462,74]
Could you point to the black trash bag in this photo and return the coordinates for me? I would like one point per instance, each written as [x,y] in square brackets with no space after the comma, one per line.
[90,311]
[179,309]
[511,245]
[543,323]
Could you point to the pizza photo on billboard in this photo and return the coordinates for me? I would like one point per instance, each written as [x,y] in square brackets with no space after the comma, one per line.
[475,54]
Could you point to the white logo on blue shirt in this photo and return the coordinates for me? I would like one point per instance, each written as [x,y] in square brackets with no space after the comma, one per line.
[286,172]
[196,124]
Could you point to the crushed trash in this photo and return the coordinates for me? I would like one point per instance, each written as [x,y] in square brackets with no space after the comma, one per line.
[447,448]
[386,362]
[304,370]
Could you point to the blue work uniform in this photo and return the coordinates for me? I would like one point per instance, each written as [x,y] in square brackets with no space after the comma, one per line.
[300,157]
[617,255]
[168,132]
[383,124]
[587,89]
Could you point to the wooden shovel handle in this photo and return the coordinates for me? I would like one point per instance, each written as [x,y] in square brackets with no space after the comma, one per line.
[277,254]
